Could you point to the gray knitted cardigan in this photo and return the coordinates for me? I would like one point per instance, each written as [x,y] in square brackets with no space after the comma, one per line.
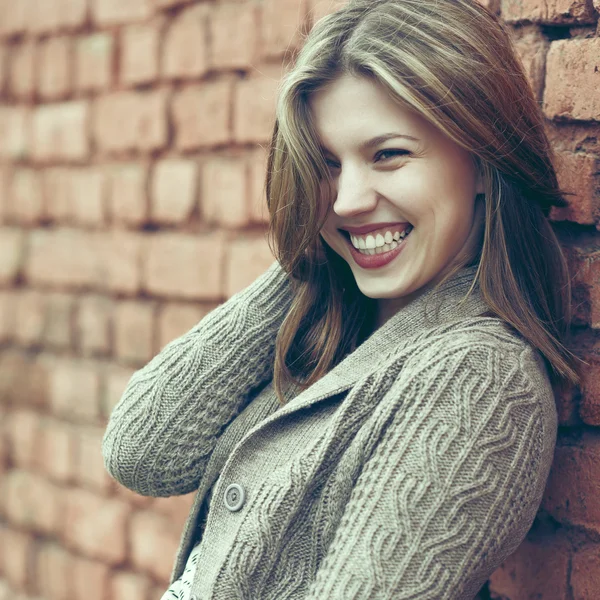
[410,471]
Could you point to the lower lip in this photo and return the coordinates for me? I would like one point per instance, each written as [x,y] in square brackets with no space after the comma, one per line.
[375,261]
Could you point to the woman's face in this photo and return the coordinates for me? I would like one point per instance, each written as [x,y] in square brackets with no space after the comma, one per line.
[420,177]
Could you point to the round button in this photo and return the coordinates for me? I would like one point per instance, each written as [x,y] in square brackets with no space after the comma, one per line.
[234,497]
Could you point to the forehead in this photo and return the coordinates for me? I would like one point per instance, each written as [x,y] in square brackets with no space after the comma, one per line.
[351,110]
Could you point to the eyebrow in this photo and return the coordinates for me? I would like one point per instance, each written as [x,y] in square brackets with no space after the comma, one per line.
[380,139]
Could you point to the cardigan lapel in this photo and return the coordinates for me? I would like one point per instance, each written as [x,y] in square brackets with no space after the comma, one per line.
[383,342]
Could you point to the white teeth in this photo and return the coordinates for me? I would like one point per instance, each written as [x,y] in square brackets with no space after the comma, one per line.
[371,243]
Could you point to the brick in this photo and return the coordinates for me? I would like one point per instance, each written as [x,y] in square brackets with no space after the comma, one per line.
[56,450]
[580,174]
[90,580]
[532,47]
[123,261]
[55,60]
[116,378]
[537,569]
[246,260]
[134,331]
[23,428]
[201,114]
[8,307]
[33,502]
[4,51]
[254,109]
[131,121]
[53,565]
[585,573]
[74,389]
[233,36]
[94,325]
[572,78]
[154,543]
[129,586]
[14,16]
[176,508]
[185,51]
[26,203]
[550,11]
[21,71]
[127,193]
[53,15]
[589,404]
[140,45]
[282,24]
[57,192]
[321,8]
[17,551]
[573,481]
[177,318]
[5,205]
[257,170]
[224,197]
[89,463]
[184,266]
[66,257]
[30,317]
[60,131]
[174,190]
[94,55]
[58,315]
[113,12]
[23,380]
[11,253]
[14,132]
[96,526]
[88,197]
[170,3]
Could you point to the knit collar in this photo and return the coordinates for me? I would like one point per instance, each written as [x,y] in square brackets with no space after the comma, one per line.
[431,309]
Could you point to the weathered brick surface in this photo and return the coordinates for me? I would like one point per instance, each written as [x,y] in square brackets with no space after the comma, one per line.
[201,115]
[549,11]
[60,131]
[224,194]
[572,80]
[174,190]
[184,266]
[140,52]
[185,49]
[125,121]
[94,55]
[133,147]
[55,73]
[96,526]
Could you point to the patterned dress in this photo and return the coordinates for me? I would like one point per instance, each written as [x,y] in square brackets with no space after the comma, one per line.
[182,587]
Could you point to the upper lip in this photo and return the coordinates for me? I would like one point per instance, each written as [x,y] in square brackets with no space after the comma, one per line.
[372,227]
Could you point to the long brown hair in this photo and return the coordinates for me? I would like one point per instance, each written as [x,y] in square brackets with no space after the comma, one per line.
[454,63]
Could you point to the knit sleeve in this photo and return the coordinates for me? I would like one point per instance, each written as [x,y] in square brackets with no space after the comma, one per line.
[453,485]
[162,432]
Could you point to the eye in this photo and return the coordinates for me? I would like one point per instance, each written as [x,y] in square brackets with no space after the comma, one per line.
[392,152]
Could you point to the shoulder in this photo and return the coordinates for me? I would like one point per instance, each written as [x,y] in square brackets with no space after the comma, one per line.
[483,362]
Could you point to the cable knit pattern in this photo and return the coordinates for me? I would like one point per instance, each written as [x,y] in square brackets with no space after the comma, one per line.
[410,471]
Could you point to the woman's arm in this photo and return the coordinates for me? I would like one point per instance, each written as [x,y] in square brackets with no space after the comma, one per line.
[163,430]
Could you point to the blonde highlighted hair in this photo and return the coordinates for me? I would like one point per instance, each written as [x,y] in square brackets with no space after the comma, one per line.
[454,63]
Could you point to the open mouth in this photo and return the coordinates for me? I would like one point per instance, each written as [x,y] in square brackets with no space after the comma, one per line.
[389,244]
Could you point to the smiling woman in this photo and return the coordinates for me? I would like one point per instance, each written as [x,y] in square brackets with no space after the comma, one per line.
[359,444]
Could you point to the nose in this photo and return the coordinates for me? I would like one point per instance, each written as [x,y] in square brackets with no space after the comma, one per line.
[353,193]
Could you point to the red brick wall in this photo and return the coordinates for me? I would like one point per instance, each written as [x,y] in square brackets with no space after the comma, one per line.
[132,137]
